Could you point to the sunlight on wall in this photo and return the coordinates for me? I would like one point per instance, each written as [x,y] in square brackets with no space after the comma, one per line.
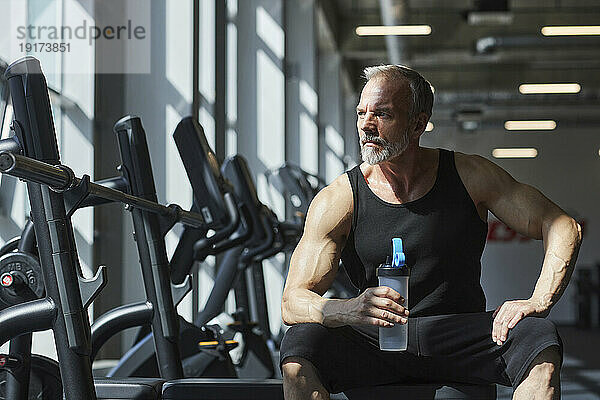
[231,143]
[270,32]
[78,153]
[270,112]
[13,14]
[18,210]
[207,50]
[309,130]
[208,123]
[309,144]
[269,196]
[308,98]
[205,281]
[334,154]
[334,141]
[46,13]
[272,274]
[232,73]
[178,57]
[80,63]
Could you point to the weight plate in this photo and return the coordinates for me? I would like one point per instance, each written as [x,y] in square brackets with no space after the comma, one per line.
[27,268]
[44,380]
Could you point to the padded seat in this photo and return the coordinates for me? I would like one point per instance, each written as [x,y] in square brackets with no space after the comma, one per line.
[128,388]
[424,391]
[223,389]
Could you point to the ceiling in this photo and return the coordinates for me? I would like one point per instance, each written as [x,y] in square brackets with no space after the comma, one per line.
[481,82]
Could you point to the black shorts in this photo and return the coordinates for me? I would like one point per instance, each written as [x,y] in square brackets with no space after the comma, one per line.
[445,348]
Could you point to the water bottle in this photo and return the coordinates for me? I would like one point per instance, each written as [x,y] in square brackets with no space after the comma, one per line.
[394,274]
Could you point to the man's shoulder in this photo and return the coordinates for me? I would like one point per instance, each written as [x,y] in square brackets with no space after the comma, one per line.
[482,178]
[332,207]
[470,160]
[473,166]
[335,194]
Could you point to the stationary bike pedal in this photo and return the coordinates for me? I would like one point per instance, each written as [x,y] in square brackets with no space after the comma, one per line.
[213,344]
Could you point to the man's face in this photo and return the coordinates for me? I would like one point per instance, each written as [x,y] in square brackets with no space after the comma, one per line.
[383,123]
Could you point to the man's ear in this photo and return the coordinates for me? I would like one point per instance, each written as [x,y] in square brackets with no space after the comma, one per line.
[420,123]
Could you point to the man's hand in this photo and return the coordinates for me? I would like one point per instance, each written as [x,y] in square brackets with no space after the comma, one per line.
[379,306]
[508,314]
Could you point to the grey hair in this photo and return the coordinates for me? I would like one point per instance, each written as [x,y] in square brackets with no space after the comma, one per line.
[422,95]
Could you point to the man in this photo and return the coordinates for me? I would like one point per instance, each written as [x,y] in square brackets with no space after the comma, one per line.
[437,201]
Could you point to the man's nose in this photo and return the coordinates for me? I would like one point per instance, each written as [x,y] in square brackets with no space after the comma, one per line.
[368,122]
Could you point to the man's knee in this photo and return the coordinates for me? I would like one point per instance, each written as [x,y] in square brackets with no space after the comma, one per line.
[538,326]
[545,367]
[297,368]
[292,367]
[301,380]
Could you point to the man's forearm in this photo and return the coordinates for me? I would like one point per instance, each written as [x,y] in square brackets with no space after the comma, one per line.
[562,239]
[303,305]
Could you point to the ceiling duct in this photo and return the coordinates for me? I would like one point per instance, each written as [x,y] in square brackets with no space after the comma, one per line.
[495,97]
[490,44]
[469,120]
[394,13]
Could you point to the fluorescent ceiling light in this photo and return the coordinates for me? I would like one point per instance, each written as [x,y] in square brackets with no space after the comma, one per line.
[393,30]
[571,30]
[429,127]
[515,153]
[530,125]
[536,88]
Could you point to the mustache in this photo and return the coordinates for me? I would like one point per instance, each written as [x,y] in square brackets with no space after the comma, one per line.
[373,139]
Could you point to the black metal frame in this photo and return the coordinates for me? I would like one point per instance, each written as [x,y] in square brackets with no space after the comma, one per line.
[212,199]
[3,94]
[68,294]
[151,222]
[159,310]
[17,378]
[149,236]
[62,309]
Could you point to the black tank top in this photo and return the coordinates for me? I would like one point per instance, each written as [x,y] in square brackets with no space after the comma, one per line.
[443,238]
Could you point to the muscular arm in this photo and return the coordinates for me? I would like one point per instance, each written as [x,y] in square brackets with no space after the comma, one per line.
[315,260]
[529,212]
[314,265]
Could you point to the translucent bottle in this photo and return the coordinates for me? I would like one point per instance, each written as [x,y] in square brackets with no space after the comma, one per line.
[394,274]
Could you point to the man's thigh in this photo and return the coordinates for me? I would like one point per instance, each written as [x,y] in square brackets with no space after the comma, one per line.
[345,358]
[447,348]
[462,349]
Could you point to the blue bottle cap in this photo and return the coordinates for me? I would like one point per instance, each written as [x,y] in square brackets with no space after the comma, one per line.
[399,259]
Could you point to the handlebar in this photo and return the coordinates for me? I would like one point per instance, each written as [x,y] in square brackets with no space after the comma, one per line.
[61,178]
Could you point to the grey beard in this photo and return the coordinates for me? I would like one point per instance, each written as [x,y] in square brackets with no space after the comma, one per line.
[388,150]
